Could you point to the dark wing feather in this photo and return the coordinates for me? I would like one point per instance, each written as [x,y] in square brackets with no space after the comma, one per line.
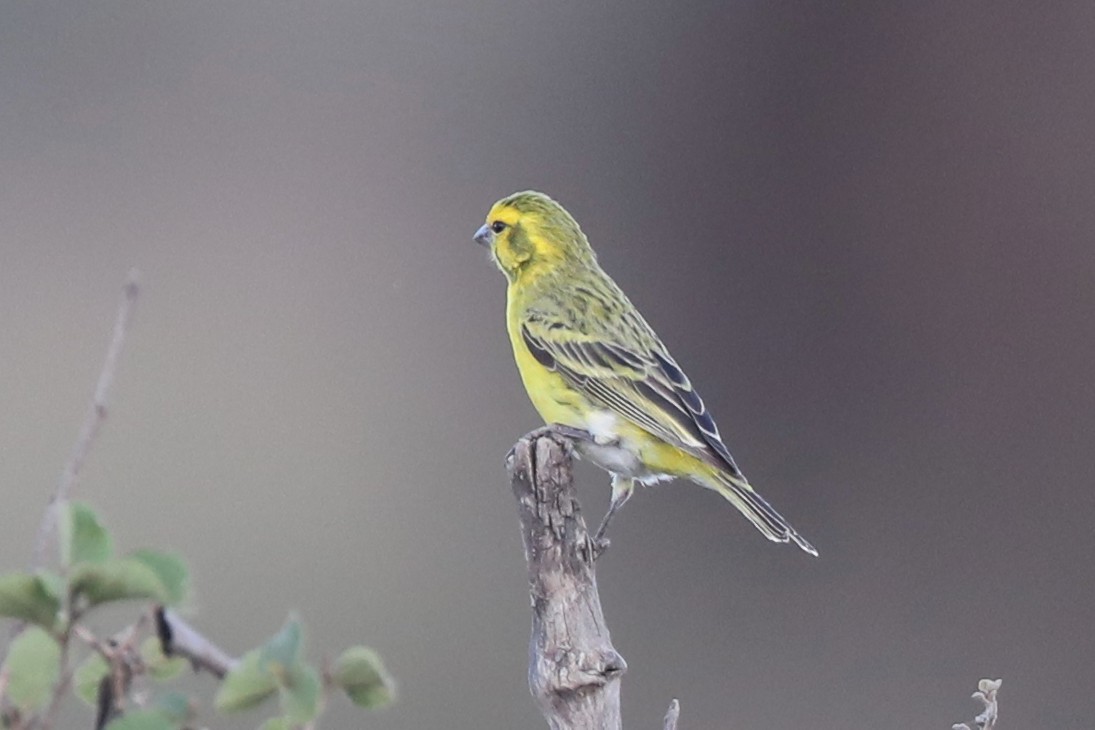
[647,387]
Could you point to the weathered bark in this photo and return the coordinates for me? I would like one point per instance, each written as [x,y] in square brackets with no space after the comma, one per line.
[574,671]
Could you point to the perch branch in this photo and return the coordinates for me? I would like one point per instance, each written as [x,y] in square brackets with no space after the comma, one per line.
[574,671]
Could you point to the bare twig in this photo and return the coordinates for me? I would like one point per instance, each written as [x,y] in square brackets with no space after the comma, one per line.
[88,637]
[125,662]
[121,643]
[986,695]
[574,671]
[178,638]
[90,428]
[672,715]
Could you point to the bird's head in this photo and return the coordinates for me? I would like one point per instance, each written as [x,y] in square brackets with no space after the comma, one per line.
[528,233]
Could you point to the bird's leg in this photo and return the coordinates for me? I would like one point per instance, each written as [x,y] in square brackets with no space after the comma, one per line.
[622,487]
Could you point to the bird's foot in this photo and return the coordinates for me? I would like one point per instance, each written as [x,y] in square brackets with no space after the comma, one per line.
[568,434]
[559,429]
[599,546]
[598,542]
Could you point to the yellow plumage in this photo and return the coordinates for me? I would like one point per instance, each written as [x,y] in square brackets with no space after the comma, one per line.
[590,361]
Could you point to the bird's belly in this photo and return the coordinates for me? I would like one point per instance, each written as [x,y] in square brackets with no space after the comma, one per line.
[614,458]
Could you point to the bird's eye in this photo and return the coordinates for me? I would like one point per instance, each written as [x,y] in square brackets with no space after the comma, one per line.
[498,226]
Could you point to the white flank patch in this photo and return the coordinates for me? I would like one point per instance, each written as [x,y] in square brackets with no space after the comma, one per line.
[612,454]
[602,426]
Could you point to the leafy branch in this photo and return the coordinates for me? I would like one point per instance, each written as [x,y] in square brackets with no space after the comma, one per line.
[54,653]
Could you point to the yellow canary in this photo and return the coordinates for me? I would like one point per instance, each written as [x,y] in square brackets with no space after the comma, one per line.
[589,361]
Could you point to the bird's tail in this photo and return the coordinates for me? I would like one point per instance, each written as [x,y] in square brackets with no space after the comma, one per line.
[756,509]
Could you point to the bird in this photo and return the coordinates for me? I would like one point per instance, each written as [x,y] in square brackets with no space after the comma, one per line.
[592,365]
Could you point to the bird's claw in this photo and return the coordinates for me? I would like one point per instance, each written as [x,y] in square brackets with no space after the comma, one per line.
[598,542]
[594,548]
[600,547]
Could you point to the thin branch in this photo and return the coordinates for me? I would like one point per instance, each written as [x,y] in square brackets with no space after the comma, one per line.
[178,638]
[88,637]
[96,414]
[574,671]
[125,642]
[124,659]
[672,715]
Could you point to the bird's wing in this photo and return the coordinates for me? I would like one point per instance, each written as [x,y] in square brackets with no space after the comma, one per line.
[642,384]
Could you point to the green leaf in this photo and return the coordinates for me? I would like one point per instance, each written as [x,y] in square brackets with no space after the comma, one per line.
[33,665]
[171,571]
[300,694]
[360,672]
[116,580]
[88,675]
[277,723]
[175,706]
[149,719]
[34,598]
[247,685]
[282,652]
[83,538]
[262,671]
[160,666]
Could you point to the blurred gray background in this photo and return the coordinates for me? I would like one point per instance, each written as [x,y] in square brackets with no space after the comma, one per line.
[867,230]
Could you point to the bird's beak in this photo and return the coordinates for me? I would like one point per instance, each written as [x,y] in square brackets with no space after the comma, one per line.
[484,236]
